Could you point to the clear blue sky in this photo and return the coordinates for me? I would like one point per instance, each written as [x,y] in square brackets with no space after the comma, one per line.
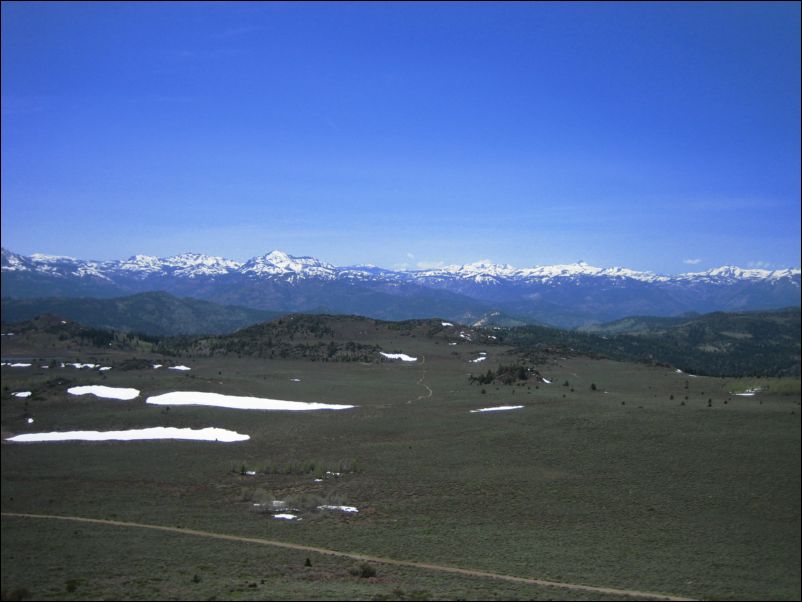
[663,137]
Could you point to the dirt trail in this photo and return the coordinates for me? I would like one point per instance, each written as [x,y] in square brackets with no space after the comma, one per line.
[420,382]
[361,557]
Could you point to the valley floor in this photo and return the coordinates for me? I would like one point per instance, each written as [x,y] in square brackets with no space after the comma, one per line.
[613,475]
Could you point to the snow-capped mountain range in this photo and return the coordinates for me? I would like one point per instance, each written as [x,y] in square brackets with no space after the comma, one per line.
[565,295]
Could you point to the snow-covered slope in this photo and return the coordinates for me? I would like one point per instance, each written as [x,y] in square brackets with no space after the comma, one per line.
[561,294]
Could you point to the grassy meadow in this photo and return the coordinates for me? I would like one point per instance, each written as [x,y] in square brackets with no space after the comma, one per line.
[615,474]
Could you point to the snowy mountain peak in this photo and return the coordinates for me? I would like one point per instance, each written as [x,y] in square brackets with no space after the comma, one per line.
[728,273]
[140,263]
[197,264]
[13,262]
[278,263]
[41,257]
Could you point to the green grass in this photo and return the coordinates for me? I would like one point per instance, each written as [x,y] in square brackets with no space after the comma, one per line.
[621,487]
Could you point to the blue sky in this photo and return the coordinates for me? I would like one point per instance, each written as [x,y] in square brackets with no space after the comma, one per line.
[663,137]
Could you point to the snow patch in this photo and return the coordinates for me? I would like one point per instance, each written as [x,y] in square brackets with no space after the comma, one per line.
[399,356]
[157,366]
[446,323]
[481,358]
[235,402]
[497,409]
[158,432]
[103,391]
[104,368]
[179,368]
[286,516]
[19,365]
[22,394]
[351,509]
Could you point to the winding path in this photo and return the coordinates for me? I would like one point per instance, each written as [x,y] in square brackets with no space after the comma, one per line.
[420,382]
[361,557]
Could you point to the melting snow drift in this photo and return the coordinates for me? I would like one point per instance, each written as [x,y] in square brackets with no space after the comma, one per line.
[159,432]
[183,398]
[340,508]
[102,391]
[497,409]
[399,356]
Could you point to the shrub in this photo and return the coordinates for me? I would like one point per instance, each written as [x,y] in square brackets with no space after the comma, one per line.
[363,570]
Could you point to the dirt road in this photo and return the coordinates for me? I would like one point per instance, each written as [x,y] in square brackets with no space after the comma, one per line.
[361,557]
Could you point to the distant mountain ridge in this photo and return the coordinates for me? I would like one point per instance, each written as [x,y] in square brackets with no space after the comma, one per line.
[566,295]
[153,313]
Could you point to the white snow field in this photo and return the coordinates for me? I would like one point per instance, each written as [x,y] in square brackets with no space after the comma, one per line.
[399,356]
[103,391]
[235,402]
[158,432]
[497,409]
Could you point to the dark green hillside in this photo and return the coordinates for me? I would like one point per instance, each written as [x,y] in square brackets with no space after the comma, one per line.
[322,338]
[765,343]
[49,336]
[152,313]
